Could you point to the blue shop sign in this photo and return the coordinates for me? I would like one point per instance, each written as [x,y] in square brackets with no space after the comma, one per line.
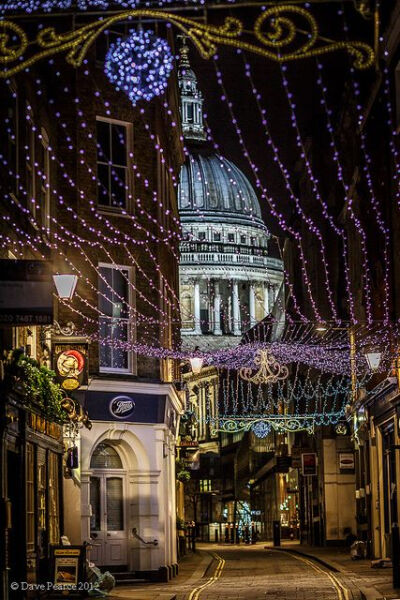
[119,406]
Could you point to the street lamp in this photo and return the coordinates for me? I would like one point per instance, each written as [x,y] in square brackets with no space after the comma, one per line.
[196,362]
[373,359]
[65,285]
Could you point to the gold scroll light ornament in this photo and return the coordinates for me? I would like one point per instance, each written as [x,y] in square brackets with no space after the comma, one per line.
[269,371]
[275,36]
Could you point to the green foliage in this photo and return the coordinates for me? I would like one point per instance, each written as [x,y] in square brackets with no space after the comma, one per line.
[182,474]
[35,383]
[180,523]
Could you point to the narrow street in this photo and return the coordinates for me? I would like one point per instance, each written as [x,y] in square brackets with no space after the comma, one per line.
[250,573]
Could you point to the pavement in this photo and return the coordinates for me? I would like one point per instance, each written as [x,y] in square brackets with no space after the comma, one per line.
[192,568]
[261,572]
[374,584]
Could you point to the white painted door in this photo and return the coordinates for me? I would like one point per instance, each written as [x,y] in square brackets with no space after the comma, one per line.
[107,523]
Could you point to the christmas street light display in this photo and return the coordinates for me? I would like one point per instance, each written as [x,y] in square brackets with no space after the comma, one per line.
[139,65]
[269,370]
[275,36]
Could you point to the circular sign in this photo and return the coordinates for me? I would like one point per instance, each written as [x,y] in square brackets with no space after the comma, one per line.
[70,363]
[122,407]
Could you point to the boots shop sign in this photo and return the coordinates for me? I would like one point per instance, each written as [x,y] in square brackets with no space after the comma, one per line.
[122,407]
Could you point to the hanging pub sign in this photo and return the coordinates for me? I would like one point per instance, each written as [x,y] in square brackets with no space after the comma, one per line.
[26,292]
[71,365]
[309,463]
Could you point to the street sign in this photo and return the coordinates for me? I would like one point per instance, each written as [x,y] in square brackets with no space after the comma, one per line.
[309,463]
[26,295]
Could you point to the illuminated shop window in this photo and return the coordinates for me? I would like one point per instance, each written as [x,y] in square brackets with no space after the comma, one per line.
[205,485]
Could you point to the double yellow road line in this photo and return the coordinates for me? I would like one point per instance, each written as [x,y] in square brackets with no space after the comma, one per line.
[195,593]
[342,592]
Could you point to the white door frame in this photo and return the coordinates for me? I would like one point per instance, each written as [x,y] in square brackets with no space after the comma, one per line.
[101,554]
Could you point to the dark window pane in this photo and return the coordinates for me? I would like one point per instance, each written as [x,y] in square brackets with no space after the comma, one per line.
[118,192]
[103,140]
[115,513]
[119,145]
[95,503]
[103,184]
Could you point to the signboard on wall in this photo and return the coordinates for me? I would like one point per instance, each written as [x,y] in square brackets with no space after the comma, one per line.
[309,463]
[26,292]
[120,406]
[70,363]
[346,461]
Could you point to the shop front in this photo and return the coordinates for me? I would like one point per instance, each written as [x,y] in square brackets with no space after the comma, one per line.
[31,483]
[123,499]
[384,464]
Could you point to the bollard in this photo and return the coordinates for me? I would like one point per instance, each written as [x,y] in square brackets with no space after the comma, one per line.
[276,533]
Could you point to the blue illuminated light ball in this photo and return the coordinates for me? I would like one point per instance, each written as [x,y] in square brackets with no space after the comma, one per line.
[261,429]
[139,65]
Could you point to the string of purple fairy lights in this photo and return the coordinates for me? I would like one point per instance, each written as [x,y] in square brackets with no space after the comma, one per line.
[265,195]
[394,137]
[287,179]
[314,184]
[319,356]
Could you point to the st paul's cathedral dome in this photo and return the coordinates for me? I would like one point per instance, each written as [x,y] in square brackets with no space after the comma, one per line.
[228,281]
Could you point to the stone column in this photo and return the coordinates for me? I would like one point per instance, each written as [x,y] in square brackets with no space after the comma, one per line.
[196,299]
[271,296]
[252,304]
[266,300]
[217,310]
[237,325]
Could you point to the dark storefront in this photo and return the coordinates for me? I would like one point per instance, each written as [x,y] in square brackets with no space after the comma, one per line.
[31,474]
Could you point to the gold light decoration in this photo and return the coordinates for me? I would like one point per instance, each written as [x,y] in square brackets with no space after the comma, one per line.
[274,30]
[269,371]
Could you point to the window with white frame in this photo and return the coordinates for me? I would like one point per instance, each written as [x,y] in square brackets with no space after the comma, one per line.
[115,301]
[112,163]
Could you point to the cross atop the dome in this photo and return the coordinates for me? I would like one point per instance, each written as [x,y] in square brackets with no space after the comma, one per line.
[191,97]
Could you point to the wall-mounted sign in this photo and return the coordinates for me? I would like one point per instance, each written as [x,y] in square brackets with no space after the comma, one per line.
[346,461]
[122,407]
[26,292]
[309,463]
[71,365]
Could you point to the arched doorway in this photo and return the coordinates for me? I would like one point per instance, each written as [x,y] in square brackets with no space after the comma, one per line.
[108,519]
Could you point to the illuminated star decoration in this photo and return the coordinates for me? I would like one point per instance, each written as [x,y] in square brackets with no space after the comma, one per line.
[139,65]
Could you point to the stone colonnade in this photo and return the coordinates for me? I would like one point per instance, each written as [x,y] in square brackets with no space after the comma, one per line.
[234,318]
